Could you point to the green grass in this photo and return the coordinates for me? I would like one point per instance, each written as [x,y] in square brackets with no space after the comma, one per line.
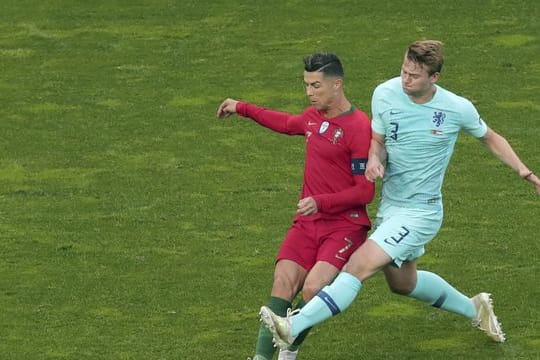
[135,225]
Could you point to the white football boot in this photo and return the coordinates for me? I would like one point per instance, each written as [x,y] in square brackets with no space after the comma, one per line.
[279,326]
[485,318]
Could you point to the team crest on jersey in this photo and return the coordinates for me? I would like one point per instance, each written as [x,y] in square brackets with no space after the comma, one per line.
[324,127]
[438,118]
[338,134]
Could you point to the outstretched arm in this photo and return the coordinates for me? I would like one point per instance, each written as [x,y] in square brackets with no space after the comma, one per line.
[226,108]
[504,152]
[278,121]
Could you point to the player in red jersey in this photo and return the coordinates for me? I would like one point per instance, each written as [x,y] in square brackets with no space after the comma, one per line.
[331,219]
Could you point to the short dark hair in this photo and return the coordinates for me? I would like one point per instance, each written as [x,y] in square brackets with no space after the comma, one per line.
[326,62]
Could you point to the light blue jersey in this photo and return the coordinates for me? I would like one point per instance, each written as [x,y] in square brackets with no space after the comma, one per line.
[419,140]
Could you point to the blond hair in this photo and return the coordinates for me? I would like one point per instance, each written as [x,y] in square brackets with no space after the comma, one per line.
[428,53]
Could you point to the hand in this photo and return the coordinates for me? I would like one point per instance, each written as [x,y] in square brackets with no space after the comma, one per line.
[226,108]
[536,182]
[307,206]
[374,169]
[532,178]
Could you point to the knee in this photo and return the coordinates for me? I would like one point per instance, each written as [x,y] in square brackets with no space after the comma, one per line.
[310,290]
[401,288]
[401,281]
[284,287]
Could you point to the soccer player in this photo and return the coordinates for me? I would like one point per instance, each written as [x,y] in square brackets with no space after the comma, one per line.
[415,126]
[331,221]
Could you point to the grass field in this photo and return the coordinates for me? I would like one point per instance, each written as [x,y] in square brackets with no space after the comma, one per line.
[135,225]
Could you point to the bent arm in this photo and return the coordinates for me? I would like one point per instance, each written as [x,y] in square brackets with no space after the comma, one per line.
[360,194]
[376,158]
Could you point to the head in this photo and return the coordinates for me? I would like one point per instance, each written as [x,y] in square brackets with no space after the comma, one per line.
[323,79]
[422,67]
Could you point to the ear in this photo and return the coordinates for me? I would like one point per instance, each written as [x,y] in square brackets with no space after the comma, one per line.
[338,83]
[435,77]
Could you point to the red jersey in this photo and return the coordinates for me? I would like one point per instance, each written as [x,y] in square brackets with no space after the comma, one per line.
[336,158]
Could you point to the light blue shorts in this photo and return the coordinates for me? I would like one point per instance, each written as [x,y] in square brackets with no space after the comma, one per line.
[403,232]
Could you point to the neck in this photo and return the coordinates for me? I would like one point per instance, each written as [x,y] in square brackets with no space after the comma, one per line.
[341,106]
[424,97]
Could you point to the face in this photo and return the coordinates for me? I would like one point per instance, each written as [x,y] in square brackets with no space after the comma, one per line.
[415,79]
[321,91]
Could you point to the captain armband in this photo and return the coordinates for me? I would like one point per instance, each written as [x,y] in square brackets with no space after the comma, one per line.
[358,166]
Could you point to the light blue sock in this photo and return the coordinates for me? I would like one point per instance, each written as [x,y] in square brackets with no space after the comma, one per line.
[434,290]
[330,301]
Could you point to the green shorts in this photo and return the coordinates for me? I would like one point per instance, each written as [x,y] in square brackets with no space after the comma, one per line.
[403,232]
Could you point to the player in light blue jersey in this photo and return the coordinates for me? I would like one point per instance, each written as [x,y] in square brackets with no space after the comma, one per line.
[419,140]
[415,127]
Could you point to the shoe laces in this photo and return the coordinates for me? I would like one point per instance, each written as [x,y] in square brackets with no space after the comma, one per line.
[291,312]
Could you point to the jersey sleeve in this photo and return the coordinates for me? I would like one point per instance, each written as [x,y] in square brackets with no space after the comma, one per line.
[471,121]
[379,106]
[278,121]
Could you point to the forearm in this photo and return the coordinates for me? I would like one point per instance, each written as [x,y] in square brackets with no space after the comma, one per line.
[359,195]
[274,120]
[377,151]
[376,158]
[500,147]
[504,152]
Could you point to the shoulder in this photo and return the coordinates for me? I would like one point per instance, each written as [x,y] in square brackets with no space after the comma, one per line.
[390,86]
[465,112]
[357,119]
[360,117]
[454,100]
[386,94]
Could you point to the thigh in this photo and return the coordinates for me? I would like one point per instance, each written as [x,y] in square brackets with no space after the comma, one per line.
[367,260]
[300,245]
